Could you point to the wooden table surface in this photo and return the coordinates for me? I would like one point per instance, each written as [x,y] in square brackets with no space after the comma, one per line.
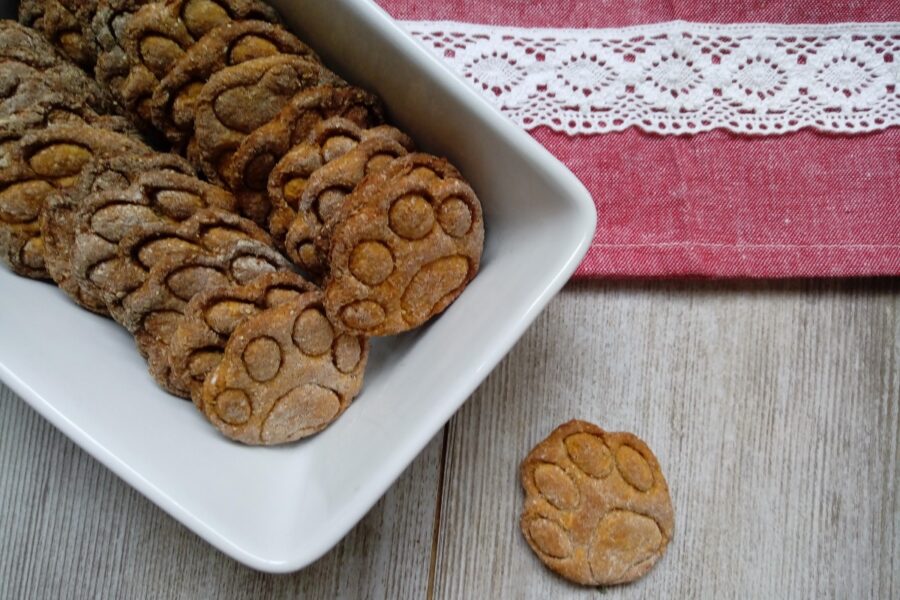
[773,407]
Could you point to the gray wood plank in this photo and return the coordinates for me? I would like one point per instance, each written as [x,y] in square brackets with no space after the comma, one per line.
[774,409]
[69,528]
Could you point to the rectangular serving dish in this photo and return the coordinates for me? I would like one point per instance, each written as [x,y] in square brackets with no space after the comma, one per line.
[279,509]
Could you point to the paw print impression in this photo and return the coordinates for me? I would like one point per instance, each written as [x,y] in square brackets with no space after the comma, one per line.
[241,98]
[40,163]
[597,508]
[57,20]
[331,119]
[174,100]
[155,199]
[410,242]
[59,215]
[286,373]
[318,199]
[154,311]
[202,16]
[212,316]
[159,35]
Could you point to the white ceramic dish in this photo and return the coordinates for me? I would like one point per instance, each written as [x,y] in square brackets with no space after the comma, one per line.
[279,509]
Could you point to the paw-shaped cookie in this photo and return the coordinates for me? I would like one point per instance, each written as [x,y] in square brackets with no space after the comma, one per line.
[409,242]
[597,507]
[154,39]
[105,218]
[33,73]
[325,200]
[40,163]
[241,98]
[153,312]
[118,275]
[301,172]
[299,122]
[287,373]
[202,16]
[107,28]
[22,43]
[58,21]
[173,103]
[212,316]
[59,215]
[160,34]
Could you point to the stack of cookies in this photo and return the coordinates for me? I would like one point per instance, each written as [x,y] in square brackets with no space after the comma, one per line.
[286,224]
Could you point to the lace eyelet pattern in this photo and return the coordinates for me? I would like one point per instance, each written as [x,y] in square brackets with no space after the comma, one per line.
[681,78]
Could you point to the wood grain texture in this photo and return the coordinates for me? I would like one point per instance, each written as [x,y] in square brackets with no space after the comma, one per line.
[774,409]
[69,528]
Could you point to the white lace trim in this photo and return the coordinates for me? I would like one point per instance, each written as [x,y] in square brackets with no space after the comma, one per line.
[679,77]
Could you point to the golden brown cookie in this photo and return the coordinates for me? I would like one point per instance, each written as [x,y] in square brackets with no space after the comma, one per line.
[32,72]
[153,312]
[23,44]
[39,163]
[26,90]
[59,21]
[51,112]
[143,217]
[248,171]
[597,508]
[108,29]
[306,204]
[173,103]
[408,242]
[202,16]
[58,218]
[287,373]
[14,127]
[159,34]
[212,316]
[154,39]
[239,99]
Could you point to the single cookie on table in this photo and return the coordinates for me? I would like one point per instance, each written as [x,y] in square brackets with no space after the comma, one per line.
[306,204]
[173,103]
[247,172]
[39,163]
[239,99]
[61,22]
[153,312]
[212,316]
[597,507]
[58,219]
[408,242]
[286,373]
[156,204]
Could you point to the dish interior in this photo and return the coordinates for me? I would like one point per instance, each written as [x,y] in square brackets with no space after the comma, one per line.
[278,509]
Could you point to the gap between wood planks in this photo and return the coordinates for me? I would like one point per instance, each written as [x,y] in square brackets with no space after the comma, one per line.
[436,530]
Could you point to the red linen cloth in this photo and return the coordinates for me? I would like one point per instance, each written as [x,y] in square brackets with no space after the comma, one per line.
[719,204]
